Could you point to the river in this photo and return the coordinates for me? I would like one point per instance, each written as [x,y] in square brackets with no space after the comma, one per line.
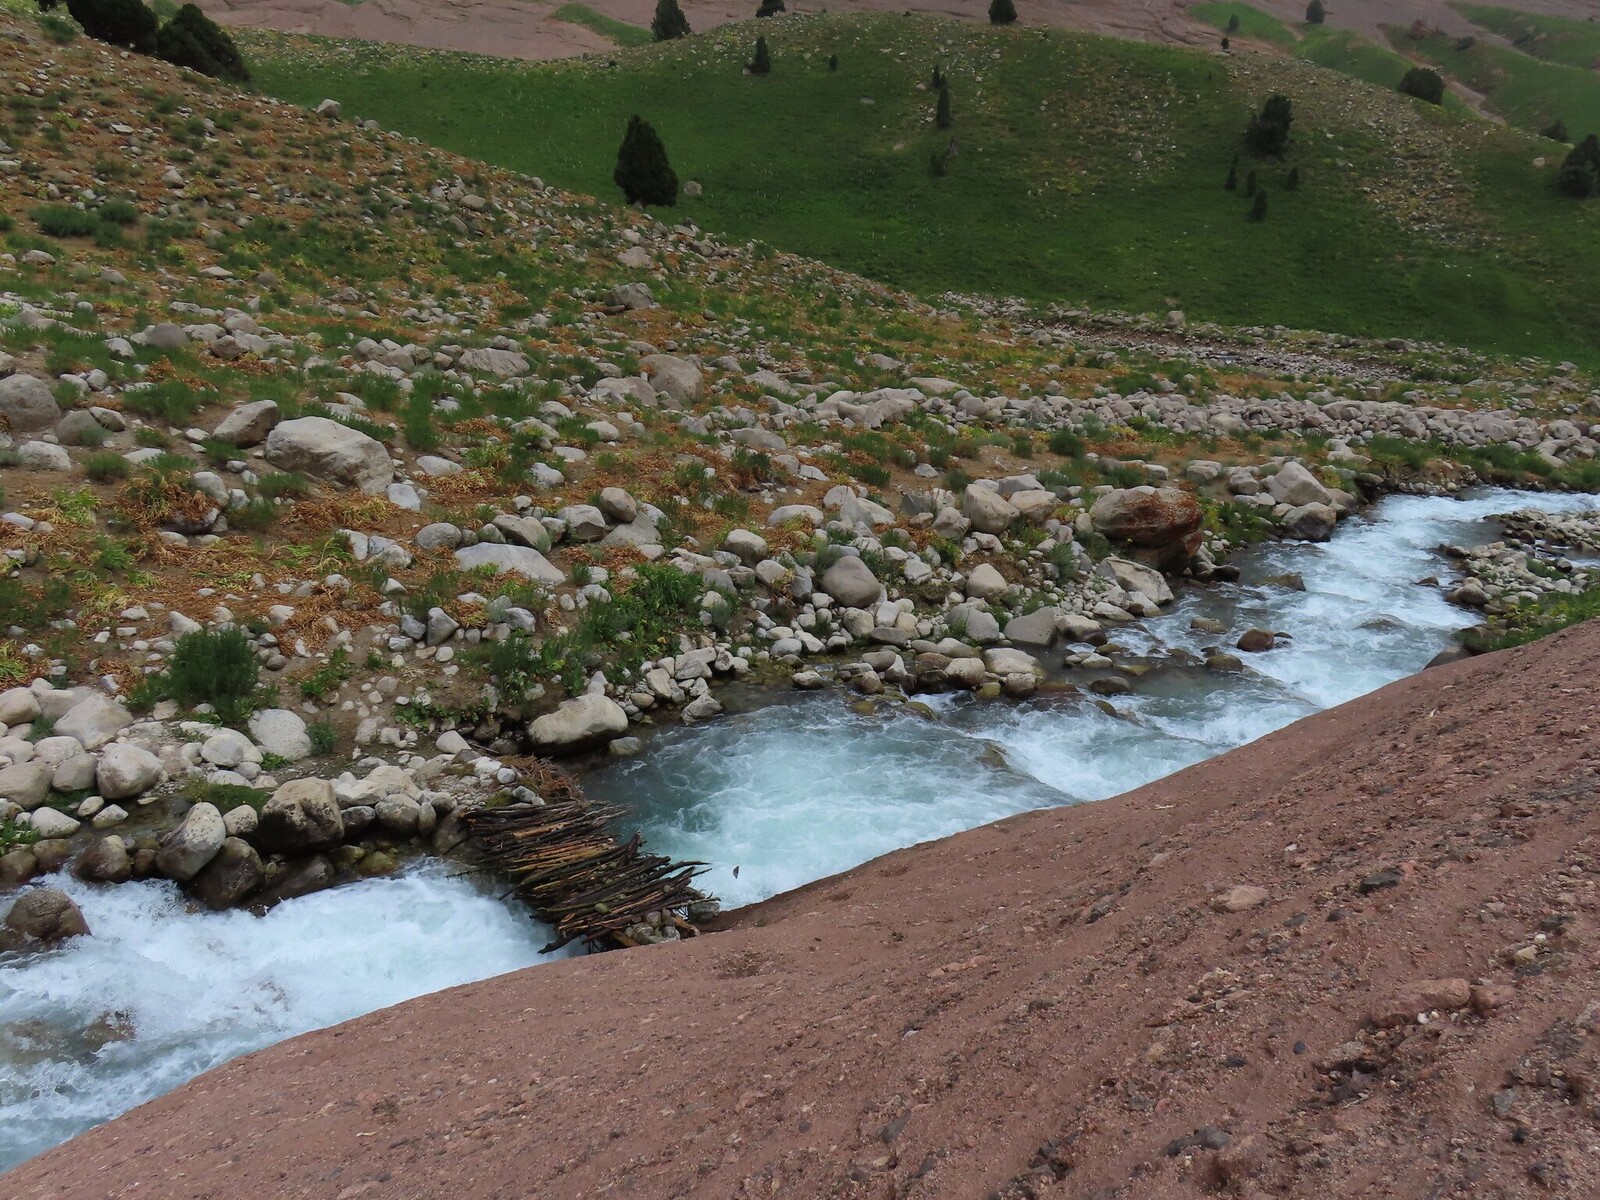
[785,793]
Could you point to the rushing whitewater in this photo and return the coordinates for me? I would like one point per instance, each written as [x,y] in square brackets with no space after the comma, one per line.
[160,992]
[796,791]
[786,794]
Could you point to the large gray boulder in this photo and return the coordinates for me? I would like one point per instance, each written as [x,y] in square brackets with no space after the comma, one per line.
[18,706]
[585,522]
[1136,579]
[1295,486]
[334,453]
[520,560]
[94,721]
[41,916]
[502,364]
[989,512]
[232,875]
[1037,628]
[106,861]
[248,424]
[588,720]
[281,732]
[523,531]
[192,844]
[124,771]
[674,377]
[302,815]
[1310,522]
[26,784]
[27,404]
[851,582]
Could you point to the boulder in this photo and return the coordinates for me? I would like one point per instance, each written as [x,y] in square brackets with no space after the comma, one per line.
[232,875]
[27,404]
[192,844]
[988,511]
[125,771]
[324,449]
[1310,523]
[52,823]
[1254,641]
[94,721]
[302,815]
[1136,578]
[984,582]
[585,522]
[522,531]
[1003,661]
[18,706]
[26,784]
[441,535]
[851,582]
[281,732]
[502,364]
[751,548]
[311,875]
[1295,486]
[520,560]
[619,507]
[586,721]
[1037,628]
[1163,523]
[675,377]
[248,424]
[106,861]
[227,748]
[42,916]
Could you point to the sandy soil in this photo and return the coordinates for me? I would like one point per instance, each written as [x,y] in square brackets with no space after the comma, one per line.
[1064,1004]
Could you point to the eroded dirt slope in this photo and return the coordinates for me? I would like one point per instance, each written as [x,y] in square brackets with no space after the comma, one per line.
[1058,1005]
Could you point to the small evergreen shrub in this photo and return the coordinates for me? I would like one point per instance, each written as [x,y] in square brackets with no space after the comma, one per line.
[1425,84]
[63,220]
[1316,14]
[669,22]
[104,466]
[1556,131]
[1258,210]
[1002,12]
[216,668]
[324,738]
[833,62]
[1580,173]
[941,111]
[642,170]
[770,8]
[761,64]
[1231,183]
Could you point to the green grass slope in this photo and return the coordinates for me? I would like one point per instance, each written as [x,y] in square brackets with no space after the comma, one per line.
[1086,170]
[1527,91]
[1253,23]
[1556,39]
[619,32]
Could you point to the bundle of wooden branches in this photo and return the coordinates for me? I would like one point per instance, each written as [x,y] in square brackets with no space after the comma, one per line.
[576,876]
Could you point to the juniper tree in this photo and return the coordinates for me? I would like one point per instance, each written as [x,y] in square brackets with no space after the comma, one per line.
[762,63]
[1252,184]
[1233,23]
[941,111]
[1268,131]
[1232,182]
[642,171]
[1292,184]
[770,8]
[192,39]
[1580,173]
[1556,131]
[1002,12]
[936,81]
[1315,13]
[1258,210]
[833,62]
[669,21]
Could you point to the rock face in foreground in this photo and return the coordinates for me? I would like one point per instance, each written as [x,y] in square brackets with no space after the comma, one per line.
[1244,1064]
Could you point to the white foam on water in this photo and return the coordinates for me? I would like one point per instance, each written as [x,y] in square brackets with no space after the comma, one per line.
[806,788]
[183,991]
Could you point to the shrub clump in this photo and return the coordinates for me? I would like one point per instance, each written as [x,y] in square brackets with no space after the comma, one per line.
[1580,173]
[1268,131]
[119,22]
[192,39]
[1002,12]
[1425,84]
[216,668]
[669,21]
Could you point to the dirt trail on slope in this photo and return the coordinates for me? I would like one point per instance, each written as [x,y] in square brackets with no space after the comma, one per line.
[1089,1002]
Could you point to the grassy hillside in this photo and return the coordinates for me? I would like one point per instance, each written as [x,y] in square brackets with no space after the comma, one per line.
[1573,43]
[1085,170]
[1527,91]
[1252,22]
